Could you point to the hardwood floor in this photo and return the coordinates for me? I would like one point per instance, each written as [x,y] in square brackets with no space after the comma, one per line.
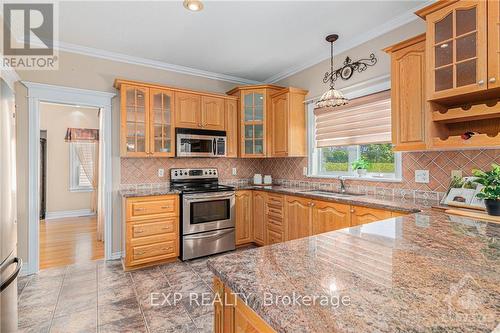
[69,241]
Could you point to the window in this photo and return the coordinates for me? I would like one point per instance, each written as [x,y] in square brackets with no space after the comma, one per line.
[382,162]
[78,180]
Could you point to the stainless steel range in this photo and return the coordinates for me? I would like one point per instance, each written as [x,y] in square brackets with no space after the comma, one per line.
[207,212]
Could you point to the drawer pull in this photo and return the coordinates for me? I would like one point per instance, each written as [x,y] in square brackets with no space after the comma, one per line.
[166,228]
[139,209]
[139,231]
[140,253]
[166,248]
[165,207]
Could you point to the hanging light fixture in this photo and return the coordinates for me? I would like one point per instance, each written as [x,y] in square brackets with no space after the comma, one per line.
[331,98]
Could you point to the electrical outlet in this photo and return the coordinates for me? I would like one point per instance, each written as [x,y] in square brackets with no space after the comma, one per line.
[161,173]
[422,176]
[234,172]
[456,173]
[304,171]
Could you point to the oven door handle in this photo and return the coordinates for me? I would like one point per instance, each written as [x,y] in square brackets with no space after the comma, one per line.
[212,234]
[209,196]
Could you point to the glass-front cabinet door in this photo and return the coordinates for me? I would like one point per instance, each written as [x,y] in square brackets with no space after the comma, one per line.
[456,49]
[135,118]
[162,135]
[253,125]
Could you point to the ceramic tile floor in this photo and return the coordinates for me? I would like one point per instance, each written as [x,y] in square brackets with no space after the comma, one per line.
[99,297]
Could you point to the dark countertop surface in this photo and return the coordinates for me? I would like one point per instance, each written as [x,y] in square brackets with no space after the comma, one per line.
[424,272]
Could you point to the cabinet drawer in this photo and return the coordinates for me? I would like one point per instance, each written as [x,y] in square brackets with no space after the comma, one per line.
[275,223]
[274,212]
[150,251]
[151,207]
[153,228]
[275,200]
[274,237]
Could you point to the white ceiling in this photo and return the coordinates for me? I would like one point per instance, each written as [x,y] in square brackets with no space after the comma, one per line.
[242,40]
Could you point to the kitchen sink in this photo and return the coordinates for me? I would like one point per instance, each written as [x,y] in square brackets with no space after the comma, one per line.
[333,193]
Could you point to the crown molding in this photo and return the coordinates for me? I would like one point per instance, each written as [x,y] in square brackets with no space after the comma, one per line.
[10,76]
[114,56]
[403,19]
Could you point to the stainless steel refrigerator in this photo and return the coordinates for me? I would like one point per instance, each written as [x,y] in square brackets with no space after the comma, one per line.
[10,265]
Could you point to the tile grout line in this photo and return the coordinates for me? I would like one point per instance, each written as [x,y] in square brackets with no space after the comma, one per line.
[139,303]
[58,297]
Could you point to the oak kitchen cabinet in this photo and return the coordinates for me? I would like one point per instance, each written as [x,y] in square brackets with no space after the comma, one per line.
[255,103]
[408,103]
[329,216]
[274,218]
[231,119]
[259,217]
[244,223]
[457,47]
[200,112]
[362,215]
[298,217]
[151,230]
[287,123]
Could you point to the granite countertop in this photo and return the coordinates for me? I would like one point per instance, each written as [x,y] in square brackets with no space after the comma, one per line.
[404,205]
[424,272]
[144,192]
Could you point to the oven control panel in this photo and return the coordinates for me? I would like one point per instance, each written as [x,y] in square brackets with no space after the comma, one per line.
[201,173]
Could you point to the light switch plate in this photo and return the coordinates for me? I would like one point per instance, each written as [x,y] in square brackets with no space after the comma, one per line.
[234,172]
[304,171]
[161,173]
[422,176]
[456,173]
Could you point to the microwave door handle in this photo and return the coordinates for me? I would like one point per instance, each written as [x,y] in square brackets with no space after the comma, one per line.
[215,146]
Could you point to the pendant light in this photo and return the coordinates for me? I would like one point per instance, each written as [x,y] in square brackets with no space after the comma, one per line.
[331,98]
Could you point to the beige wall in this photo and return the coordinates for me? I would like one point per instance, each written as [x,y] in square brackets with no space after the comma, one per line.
[79,71]
[312,77]
[56,119]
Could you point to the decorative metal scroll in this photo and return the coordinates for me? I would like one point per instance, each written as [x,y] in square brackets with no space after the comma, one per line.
[345,72]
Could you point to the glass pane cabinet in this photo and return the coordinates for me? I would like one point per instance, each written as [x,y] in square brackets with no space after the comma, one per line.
[135,118]
[253,108]
[456,49]
[147,122]
[161,125]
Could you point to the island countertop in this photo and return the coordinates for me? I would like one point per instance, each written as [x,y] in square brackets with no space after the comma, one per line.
[425,272]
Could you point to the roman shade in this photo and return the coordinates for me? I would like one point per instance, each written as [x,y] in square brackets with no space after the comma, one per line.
[364,120]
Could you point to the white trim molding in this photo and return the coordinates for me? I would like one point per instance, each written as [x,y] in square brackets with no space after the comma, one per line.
[397,22]
[38,92]
[115,256]
[68,213]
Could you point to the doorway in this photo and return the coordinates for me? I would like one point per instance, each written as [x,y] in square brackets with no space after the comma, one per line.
[71,229]
[38,95]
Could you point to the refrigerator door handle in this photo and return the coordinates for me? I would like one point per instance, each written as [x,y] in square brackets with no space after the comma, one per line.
[13,276]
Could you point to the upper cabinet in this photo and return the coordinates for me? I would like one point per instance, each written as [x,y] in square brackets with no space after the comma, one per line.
[150,113]
[457,48]
[287,123]
[493,44]
[253,117]
[408,102]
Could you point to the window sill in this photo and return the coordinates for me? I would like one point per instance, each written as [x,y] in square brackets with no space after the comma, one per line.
[366,178]
[81,190]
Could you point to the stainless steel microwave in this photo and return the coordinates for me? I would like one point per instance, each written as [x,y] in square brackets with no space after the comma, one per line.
[200,143]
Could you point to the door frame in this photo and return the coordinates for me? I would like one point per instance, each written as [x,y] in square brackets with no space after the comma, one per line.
[39,92]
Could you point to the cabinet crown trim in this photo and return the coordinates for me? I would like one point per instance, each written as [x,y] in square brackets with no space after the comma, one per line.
[404,44]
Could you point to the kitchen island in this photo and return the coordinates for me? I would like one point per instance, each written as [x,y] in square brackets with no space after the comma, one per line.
[425,272]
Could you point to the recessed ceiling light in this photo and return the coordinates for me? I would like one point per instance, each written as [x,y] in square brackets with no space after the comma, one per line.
[193,5]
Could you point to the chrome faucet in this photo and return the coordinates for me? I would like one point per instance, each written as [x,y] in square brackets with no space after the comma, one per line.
[342,185]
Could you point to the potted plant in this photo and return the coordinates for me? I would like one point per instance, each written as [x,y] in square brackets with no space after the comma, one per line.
[360,166]
[491,190]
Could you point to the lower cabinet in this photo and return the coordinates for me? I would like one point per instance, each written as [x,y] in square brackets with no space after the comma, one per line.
[232,315]
[259,217]
[151,230]
[298,217]
[244,223]
[329,216]
[362,215]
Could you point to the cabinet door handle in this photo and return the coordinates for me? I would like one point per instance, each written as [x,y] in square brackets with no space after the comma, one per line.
[352,210]
[480,82]
[492,80]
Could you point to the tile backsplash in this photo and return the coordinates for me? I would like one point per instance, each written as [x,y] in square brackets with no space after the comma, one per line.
[439,163]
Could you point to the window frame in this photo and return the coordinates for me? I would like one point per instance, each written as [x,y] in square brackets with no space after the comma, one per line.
[314,159]
[74,172]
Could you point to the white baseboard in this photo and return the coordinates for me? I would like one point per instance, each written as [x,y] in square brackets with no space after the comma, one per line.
[68,213]
[115,256]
